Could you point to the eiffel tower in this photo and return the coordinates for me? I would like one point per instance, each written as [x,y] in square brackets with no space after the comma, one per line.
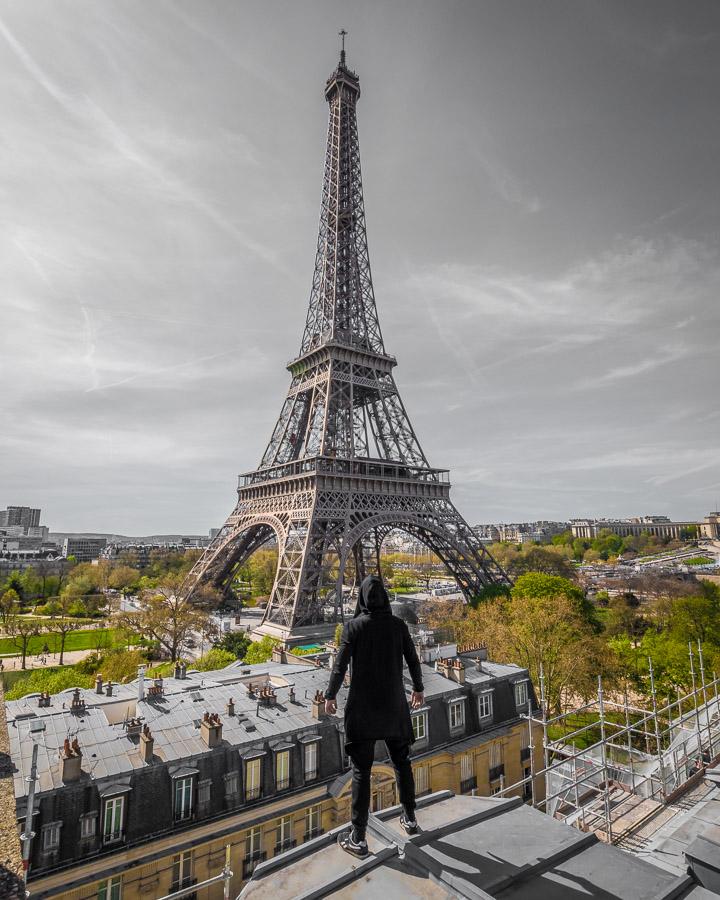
[343,466]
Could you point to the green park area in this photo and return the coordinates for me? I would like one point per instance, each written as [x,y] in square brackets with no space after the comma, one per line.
[86,639]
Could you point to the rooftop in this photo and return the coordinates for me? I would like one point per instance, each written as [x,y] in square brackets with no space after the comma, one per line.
[110,750]
[470,847]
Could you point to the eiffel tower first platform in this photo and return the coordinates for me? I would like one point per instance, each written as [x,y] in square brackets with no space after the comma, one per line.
[343,466]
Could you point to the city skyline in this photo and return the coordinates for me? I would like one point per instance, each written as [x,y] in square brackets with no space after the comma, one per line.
[541,197]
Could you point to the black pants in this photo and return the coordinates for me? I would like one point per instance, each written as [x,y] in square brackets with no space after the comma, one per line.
[362,753]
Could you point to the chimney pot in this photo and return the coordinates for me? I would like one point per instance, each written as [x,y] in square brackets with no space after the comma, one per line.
[147,743]
[99,684]
[211,729]
[318,706]
[109,689]
[231,707]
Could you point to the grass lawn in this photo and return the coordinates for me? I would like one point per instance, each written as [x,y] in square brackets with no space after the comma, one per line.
[88,639]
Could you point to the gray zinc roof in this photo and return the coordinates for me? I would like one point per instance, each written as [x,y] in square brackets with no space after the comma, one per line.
[468,847]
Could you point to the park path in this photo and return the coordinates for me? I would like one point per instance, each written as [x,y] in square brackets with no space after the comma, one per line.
[70,657]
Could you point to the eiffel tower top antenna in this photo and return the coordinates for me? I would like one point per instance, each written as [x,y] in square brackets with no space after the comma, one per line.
[342,34]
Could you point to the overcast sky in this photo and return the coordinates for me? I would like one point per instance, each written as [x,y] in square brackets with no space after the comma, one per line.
[542,195]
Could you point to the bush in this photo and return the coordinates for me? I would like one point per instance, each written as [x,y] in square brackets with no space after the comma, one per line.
[260,651]
[50,680]
[122,665]
[234,642]
[217,658]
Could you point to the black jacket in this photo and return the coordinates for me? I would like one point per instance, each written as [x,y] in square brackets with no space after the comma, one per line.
[376,641]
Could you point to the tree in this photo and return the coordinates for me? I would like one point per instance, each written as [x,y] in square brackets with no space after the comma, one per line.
[123,577]
[21,630]
[166,617]
[260,651]
[338,633]
[63,626]
[541,631]
[234,642]
[549,560]
[9,603]
[537,585]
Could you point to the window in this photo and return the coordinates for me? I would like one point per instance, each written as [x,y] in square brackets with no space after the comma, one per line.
[113,820]
[183,798]
[182,870]
[253,851]
[232,787]
[496,755]
[253,773]
[419,725]
[521,693]
[110,889]
[485,705]
[284,834]
[51,837]
[311,761]
[88,826]
[204,794]
[312,822]
[282,770]
[467,773]
[421,780]
[457,715]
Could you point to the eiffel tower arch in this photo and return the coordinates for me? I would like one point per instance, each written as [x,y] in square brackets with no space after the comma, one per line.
[343,466]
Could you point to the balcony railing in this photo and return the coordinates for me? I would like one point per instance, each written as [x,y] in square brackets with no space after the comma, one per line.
[357,468]
[251,861]
[468,784]
[282,846]
[252,793]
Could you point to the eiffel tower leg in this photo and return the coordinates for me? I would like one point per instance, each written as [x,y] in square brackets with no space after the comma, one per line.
[234,544]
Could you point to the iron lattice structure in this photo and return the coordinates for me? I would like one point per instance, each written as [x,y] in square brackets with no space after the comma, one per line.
[343,466]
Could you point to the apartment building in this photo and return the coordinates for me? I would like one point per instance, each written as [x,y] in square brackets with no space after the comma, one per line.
[140,787]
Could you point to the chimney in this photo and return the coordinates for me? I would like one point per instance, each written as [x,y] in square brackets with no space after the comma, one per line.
[71,760]
[183,671]
[278,654]
[211,729]
[77,705]
[318,705]
[147,742]
[108,689]
[44,699]
[141,683]
[441,666]
[176,672]
[292,694]
[230,708]
[457,671]
[99,684]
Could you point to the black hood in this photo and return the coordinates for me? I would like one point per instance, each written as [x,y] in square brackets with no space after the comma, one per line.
[373,597]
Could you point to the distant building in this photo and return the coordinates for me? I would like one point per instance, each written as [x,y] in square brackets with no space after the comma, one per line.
[83,549]
[214,532]
[658,526]
[164,773]
[540,532]
[24,516]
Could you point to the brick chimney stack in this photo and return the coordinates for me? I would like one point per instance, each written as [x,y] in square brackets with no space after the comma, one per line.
[230,708]
[456,671]
[211,729]
[147,743]
[99,684]
[71,760]
[318,706]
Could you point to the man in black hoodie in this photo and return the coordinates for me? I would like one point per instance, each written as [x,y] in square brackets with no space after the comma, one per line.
[376,642]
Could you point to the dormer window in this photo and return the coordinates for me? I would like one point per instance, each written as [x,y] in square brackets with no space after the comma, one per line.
[521,693]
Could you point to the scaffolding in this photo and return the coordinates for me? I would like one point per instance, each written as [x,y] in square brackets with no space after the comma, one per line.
[638,760]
